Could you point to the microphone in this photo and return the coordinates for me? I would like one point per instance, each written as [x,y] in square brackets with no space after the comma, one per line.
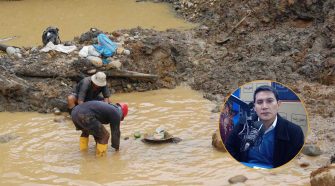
[256,129]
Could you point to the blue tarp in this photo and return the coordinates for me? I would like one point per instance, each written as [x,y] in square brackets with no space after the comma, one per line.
[106,47]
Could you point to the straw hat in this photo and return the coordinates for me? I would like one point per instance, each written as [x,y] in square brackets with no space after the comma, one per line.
[99,79]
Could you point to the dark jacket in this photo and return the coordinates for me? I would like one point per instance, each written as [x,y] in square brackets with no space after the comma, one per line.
[289,139]
[88,115]
[85,91]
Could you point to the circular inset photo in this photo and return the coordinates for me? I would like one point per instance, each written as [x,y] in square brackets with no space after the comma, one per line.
[263,124]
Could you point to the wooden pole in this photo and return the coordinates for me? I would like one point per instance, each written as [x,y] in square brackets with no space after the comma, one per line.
[3,47]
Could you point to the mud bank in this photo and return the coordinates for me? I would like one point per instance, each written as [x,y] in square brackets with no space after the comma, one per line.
[289,42]
[292,42]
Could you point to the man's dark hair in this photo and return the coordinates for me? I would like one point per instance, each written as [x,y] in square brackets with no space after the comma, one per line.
[266,88]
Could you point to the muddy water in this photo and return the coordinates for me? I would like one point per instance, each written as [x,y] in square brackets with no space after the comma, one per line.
[46,148]
[28,19]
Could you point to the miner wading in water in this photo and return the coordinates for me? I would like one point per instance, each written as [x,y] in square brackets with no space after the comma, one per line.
[90,116]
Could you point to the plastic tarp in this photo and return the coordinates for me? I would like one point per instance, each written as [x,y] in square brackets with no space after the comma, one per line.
[59,48]
[87,51]
[106,47]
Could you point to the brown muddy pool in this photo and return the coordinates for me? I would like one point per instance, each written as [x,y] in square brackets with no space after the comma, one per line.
[46,148]
[27,19]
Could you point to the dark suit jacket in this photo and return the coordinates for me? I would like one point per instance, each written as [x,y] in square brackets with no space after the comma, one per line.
[289,139]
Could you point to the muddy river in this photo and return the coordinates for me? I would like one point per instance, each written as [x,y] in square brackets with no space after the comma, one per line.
[27,19]
[44,148]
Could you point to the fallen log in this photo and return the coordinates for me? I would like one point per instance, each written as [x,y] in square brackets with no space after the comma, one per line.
[129,74]
[39,74]
[3,47]
[11,50]
[27,72]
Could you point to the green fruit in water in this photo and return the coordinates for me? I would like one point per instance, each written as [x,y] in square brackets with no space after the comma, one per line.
[137,134]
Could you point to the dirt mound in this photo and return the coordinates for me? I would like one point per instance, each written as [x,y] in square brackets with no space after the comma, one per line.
[236,42]
[286,41]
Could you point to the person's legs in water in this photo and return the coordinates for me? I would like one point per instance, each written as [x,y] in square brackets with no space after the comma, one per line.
[101,138]
[89,125]
[81,121]
[83,141]
[101,135]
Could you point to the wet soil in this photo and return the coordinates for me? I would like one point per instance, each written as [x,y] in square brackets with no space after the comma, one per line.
[292,42]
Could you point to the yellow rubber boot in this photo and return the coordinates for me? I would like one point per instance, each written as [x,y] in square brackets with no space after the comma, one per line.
[101,150]
[83,143]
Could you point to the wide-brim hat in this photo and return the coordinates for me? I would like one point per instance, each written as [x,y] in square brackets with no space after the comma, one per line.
[99,79]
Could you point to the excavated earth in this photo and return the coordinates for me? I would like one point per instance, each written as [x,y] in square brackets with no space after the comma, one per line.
[289,41]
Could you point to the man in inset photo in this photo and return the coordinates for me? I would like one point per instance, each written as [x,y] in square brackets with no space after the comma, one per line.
[262,138]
